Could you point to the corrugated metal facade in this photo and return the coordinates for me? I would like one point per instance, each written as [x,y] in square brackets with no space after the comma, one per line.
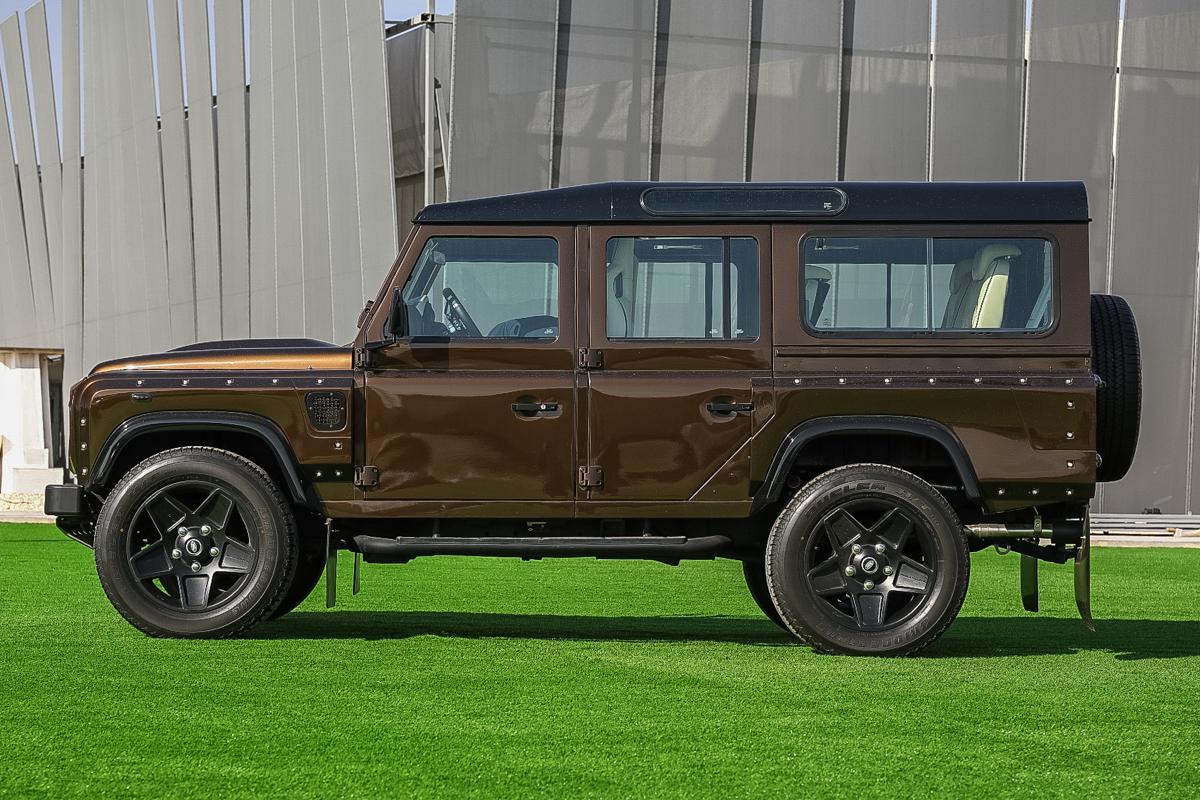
[273,209]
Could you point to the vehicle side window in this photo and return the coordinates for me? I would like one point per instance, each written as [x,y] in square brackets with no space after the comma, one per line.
[913,284]
[484,287]
[681,287]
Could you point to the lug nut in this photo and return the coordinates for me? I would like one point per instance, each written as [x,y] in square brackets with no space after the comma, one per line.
[869,585]
[850,572]
[205,529]
[879,548]
[176,553]
[214,552]
[856,549]
[888,570]
[183,531]
[195,566]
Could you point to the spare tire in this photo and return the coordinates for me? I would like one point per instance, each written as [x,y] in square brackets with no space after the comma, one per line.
[1117,359]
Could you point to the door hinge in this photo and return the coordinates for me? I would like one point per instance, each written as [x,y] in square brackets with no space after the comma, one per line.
[362,358]
[366,477]
[590,358]
[591,477]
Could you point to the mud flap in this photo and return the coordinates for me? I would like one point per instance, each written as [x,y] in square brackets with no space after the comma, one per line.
[1029,582]
[1083,578]
[330,566]
[357,585]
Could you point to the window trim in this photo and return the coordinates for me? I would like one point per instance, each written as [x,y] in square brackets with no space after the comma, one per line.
[699,340]
[475,341]
[931,333]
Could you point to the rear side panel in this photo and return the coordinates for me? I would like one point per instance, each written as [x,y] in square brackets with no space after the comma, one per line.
[1022,405]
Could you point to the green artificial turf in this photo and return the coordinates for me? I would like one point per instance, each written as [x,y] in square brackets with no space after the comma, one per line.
[478,677]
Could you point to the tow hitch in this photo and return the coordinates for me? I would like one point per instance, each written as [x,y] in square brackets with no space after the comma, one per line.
[1069,541]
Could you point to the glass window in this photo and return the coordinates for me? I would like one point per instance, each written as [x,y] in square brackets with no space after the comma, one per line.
[485,287]
[682,287]
[927,284]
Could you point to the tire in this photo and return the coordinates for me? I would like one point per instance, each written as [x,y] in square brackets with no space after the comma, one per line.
[756,581]
[911,564]
[1116,358]
[195,542]
[310,566]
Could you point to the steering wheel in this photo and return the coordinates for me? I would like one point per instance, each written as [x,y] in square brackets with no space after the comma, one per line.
[459,321]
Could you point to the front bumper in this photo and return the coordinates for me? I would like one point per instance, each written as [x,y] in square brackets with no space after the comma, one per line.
[68,504]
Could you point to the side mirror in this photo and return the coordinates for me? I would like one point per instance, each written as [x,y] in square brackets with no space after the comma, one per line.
[397,321]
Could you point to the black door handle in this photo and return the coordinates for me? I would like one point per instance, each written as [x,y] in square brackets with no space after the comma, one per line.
[715,407]
[534,409]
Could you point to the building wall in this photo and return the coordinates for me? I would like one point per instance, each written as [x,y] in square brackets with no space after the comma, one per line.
[269,201]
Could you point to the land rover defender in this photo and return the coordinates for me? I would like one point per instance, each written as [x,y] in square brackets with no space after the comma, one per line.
[849,387]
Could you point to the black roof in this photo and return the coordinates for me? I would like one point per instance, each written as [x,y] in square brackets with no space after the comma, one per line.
[945,201]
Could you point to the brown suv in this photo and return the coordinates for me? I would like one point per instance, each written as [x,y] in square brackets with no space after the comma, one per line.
[848,387]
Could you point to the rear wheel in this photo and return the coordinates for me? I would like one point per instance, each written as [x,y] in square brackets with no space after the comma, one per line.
[195,542]
[756,581]
[867,560]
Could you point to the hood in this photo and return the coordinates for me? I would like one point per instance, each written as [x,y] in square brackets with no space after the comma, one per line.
[241,354]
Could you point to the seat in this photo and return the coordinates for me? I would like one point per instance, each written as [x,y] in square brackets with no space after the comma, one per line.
[620,281]
[816,287]
[978,289]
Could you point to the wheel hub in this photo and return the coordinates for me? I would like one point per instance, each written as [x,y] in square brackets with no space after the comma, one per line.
[871,561]
[195,547]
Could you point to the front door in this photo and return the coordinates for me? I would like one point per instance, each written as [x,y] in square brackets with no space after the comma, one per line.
[678,330]
[472,408]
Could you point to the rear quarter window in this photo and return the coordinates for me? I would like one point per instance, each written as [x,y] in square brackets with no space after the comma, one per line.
[908,285]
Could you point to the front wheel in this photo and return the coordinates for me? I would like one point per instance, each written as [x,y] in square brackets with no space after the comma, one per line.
[868,560]
[195,543]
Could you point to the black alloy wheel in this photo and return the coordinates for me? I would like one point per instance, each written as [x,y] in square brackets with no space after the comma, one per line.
[196,542]
[868,560]
[189,546]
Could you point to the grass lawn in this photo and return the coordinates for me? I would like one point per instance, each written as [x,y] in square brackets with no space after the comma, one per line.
[480,677]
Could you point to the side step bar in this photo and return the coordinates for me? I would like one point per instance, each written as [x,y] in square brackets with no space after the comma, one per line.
[668,549]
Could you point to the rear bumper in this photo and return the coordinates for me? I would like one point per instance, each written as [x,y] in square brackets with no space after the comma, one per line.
[67,503]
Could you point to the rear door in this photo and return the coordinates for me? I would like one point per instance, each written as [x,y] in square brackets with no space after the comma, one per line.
[678,331]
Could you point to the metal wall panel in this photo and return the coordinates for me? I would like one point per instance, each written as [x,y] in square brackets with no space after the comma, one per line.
[341,172]
[16,301]
[1069,105]
[373,148]
[177,188]
[702,64]
[795,79]
[406,95]
[202,160]
[1154,262]
[885,80]
[147,202]
[978,84]
[92,58]
[604,91]
[263,293]
[233,177]
[41,78]
[70,295]
[27,171]
[285,149]
[314,195]
[501,116]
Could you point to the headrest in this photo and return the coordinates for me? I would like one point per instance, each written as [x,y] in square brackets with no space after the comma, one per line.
[989,253]
[961,275]
[817,274]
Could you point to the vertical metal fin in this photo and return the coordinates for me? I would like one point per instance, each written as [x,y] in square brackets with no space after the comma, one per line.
[1083,579]
[1029,582]
[357,584]
[330,566]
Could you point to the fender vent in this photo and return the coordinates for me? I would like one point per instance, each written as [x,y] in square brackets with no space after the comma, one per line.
[326,410]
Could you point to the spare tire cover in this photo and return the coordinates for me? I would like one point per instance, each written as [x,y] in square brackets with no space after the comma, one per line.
[1116,358]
